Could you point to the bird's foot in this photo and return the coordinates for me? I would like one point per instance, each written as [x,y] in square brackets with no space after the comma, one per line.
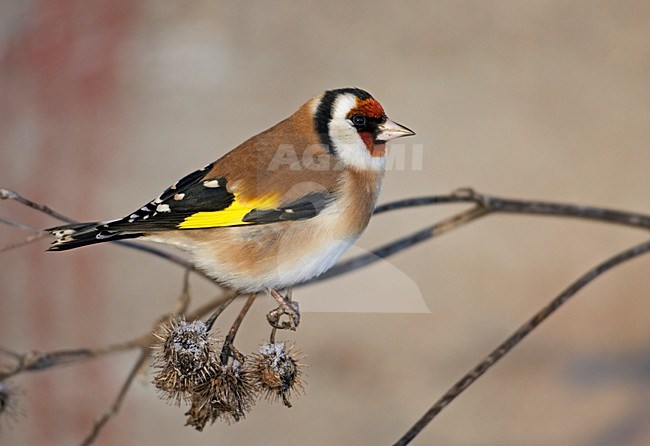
[286,307]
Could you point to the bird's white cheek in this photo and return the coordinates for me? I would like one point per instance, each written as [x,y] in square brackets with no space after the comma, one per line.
[351,149]
[360,158]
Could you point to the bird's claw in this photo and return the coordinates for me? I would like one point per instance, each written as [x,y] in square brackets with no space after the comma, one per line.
[287,308]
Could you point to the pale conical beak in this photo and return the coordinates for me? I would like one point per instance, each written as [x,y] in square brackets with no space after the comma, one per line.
[391,130]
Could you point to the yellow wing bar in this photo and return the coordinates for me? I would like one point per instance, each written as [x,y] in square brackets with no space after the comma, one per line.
[231,216]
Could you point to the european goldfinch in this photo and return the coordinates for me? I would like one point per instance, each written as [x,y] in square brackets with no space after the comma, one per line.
[277,210]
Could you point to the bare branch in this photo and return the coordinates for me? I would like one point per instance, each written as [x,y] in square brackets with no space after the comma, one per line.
[38,361]
[115,407]
[508,205]
[470,377]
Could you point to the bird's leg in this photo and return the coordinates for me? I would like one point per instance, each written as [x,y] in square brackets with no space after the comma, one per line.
[287,307]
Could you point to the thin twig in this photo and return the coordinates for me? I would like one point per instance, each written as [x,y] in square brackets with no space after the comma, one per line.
[37,234]
[529,207]
[230,338]
[40,361]
[17,224]
[224,304]
[7,194]
[424,201]
[219,303]
[470,377]
[115,407]
[26,241]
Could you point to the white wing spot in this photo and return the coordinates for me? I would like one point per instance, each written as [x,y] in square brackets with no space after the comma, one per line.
[163,208]
[63,232]
[179,197]
[289,211]
[211,183]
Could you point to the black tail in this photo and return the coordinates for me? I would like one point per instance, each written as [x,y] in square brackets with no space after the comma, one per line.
[82,234]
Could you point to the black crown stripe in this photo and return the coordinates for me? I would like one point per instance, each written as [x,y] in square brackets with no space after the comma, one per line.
[323,114]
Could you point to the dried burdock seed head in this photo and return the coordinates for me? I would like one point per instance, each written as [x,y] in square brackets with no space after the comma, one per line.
[227,394]
[182,356]
[10,407]
[237,390]
[277,371]
[201,411]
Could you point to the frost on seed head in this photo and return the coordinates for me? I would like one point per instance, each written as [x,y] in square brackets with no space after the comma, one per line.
[227,394]
[183,357]
[277,371]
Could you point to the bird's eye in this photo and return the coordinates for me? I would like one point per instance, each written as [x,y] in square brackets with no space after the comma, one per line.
[358,120]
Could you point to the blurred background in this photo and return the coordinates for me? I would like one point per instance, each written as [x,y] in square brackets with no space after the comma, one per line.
[105,103]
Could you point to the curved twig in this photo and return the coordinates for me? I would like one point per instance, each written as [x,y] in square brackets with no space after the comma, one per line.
[38,361]
[117,403]
[8,194]
[470,377]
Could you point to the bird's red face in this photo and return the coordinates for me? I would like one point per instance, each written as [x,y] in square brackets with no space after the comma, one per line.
[366,116]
